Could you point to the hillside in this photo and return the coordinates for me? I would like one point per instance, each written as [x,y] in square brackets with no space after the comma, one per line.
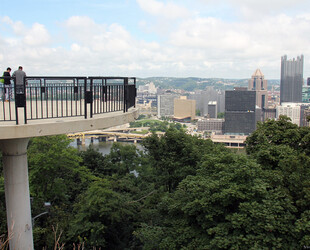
[195,83]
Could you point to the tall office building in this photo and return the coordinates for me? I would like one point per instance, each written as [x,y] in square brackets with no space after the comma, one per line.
[184,108]
[295,111]
[203,97]
[291,79]
[165,105]
[306,92]
[241,113]
[212,109]
[259,84]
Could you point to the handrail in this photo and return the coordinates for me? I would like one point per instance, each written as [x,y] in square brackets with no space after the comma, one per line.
[45,97]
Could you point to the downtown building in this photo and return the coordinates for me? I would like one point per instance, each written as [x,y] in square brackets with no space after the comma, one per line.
[297,112]
[241,112]
[184,109]
[306,92]
[211,125]
[291,79]
[203,97]
[165,105]
[259,85]
[212,109]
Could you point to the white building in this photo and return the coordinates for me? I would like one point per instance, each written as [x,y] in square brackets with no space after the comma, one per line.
[148,88]
[293,110]
[165,105]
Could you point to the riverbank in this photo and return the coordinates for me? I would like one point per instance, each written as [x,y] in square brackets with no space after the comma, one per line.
[104,147]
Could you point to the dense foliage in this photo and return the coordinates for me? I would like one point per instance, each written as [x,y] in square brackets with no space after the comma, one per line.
[180,192]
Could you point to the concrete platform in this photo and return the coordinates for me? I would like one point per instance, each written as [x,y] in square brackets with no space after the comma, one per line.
[55,126]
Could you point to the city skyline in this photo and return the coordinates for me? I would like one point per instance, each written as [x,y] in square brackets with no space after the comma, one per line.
[146,38]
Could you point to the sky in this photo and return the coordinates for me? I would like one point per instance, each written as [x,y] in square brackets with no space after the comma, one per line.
[154,38]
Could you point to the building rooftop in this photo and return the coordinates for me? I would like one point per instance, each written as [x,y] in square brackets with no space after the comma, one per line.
[258,73]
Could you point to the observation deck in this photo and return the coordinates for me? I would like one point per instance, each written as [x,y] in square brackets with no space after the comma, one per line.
[58,105]
[49,106]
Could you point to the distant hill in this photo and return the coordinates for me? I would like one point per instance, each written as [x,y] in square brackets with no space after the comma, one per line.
[195,83]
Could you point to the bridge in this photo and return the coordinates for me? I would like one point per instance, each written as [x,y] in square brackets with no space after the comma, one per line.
[50,106]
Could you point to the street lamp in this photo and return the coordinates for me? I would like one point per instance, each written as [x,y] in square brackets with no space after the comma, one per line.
[47,205]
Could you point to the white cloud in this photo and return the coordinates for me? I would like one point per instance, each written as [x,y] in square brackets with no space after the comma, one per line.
[262,6]
[167,10]
[37,35]
[242,44]
[18,27]
[267,5]
[190,46]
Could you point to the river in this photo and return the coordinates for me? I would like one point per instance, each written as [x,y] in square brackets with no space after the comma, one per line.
[102,147]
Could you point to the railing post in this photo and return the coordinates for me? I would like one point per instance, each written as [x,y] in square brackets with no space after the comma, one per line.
[91,97]
[125,94]
[85,102]
[134,81]
[15,97]
[25,103]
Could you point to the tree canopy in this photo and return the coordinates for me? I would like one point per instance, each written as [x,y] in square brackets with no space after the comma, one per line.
[179,192]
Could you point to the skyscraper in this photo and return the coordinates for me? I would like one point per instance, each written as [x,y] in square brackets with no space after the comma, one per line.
[259,84]
[291,79]
[212,109]
[165,105]
[241,114]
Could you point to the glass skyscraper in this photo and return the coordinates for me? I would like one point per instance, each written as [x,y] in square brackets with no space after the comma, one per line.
[291,79]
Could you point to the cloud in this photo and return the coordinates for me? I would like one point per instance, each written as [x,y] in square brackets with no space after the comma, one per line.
[191,45]
[18,27]
[263,6]
[37,35]
[167,10]
[267,5]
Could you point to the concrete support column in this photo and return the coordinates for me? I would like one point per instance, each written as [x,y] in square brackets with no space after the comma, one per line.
[15,168]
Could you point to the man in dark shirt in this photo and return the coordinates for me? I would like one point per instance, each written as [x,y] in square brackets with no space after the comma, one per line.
[7,84]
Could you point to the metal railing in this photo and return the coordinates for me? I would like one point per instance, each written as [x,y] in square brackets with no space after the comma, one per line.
[43,97]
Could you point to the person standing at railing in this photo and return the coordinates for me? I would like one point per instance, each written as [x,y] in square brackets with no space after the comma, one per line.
[7,84]
[19,75]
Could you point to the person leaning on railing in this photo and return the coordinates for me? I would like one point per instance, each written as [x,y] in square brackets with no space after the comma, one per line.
[19,75]
[7,84]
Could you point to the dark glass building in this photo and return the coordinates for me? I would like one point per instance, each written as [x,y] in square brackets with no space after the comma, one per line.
[212,109]
[291,79]
[240,112]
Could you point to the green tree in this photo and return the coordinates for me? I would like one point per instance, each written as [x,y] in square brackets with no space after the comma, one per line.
[122,159]
[227,204]
[282,149]
[220,115]
[271,132]
[94,161]
[175,155]
[98,209]
[55,176]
